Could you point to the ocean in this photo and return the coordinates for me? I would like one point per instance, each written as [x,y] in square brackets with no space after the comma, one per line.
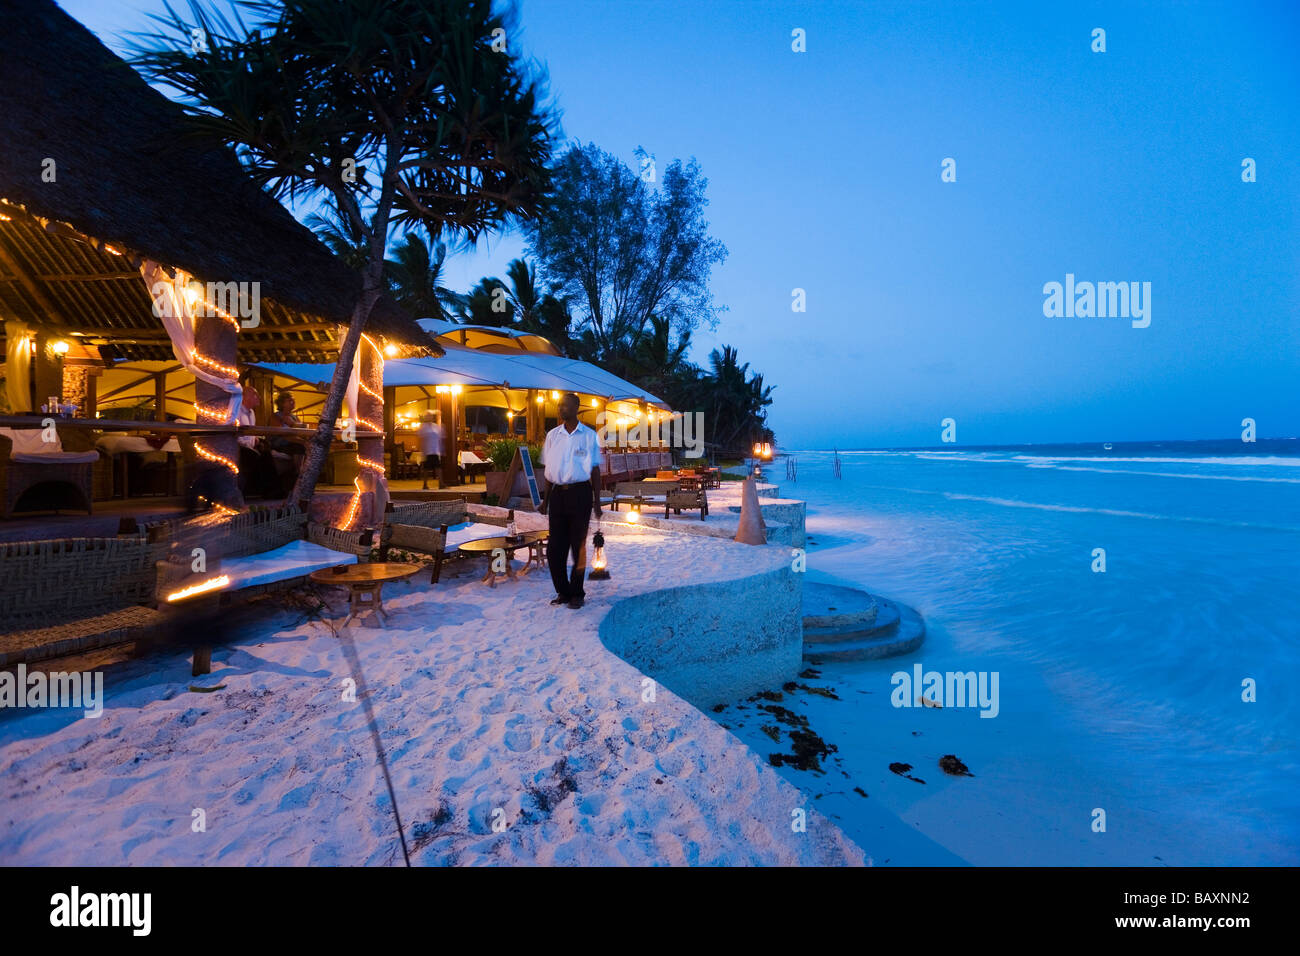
[1125,690]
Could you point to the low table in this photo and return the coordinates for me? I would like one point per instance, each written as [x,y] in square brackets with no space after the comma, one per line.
[362,579]
[534,541]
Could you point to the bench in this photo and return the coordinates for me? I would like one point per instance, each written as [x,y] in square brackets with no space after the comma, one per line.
[639,493]
[425,528]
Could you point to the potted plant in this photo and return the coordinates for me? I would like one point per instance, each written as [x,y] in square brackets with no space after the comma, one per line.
[501,452]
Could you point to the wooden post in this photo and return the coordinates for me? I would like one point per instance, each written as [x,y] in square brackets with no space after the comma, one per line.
[375,483]
[216,339]
[450,450]
[160,397]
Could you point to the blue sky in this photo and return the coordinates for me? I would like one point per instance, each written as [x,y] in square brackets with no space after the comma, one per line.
[924,298]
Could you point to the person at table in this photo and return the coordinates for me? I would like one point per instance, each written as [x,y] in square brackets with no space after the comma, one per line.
[284,417]
[429,435]
[256,469]
[573,458]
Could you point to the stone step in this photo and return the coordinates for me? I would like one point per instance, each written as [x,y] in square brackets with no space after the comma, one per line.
[832,608]
[897,629]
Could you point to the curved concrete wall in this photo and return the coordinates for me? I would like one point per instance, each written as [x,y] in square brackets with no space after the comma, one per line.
[714,642]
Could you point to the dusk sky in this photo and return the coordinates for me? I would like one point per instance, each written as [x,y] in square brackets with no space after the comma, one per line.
[925,298]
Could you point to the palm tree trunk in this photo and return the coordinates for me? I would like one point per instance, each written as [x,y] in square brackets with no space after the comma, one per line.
[319,446]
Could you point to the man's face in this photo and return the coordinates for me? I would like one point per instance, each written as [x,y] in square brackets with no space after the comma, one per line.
[251,398]
[569,407]
[287,405]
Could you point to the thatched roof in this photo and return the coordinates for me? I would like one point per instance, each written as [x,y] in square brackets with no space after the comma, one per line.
[128,179]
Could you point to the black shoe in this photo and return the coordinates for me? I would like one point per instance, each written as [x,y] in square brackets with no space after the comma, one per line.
[558,599]
[575,603]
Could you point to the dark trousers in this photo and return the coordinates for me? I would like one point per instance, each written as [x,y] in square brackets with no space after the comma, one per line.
[569,510]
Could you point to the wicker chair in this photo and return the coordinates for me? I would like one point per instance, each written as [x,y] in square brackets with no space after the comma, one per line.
[26,461]
[421,527]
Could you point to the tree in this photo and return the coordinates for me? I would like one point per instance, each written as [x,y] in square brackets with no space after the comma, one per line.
[621,252]
[737,400]
[409,114]
[415,279]
[519,304]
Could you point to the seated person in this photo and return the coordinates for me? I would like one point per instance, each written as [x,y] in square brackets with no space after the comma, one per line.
[256,469]
[284,417]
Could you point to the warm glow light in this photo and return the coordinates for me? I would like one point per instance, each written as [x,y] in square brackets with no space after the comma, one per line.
[598,562]
[595,403]
[440,389]
[60,347]
[390,350]
[112,252]
[510,414]
[455,390]
[633,517]
[193,293]
[540,399]
[555,396]
[211,584]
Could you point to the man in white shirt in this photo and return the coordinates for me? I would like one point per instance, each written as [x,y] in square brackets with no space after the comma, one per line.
[256,470]
[573,459]
[429,434]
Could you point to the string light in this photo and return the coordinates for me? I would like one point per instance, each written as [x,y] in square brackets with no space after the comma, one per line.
[369,424]
[372,465]
[200,359]
[210,411]
[214,457]
[355,504]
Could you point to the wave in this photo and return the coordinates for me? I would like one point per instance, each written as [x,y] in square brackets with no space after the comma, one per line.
[1167,474]
[1113,512]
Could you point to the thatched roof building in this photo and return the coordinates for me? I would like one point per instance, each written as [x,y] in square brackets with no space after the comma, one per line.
[96,175]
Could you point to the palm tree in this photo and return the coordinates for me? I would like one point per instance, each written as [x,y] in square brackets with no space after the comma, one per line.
[415,280]
[399,114]
[738,400]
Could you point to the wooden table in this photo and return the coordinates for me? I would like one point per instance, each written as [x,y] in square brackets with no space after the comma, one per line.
[363,579]
[534,541]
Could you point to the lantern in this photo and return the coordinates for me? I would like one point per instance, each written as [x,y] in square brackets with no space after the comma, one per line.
[633,516]
[598,569]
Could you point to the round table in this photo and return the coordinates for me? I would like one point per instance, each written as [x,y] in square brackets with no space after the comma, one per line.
[362,579]
[504,547]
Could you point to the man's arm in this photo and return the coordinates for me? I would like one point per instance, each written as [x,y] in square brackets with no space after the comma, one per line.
[595,489]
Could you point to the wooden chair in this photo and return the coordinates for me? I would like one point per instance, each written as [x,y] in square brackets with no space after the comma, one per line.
[679,501]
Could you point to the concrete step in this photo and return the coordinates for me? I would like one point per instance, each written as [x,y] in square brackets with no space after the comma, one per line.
[894,629]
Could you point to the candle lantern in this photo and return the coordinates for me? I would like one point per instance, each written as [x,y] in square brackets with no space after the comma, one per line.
[599,571]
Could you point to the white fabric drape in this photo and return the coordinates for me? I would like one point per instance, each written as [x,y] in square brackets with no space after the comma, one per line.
[179,318]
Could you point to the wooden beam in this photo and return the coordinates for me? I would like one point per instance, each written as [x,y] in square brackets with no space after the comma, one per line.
[11,264]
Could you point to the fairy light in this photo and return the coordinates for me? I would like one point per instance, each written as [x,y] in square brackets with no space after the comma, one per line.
[369,424]
[214,457]
[211,411]
[372,465]
[200,359]
[355,504]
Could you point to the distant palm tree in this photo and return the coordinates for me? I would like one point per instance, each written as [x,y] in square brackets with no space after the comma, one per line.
[519,304]
[341,237]
[654,361]
[738,400]
[415,280]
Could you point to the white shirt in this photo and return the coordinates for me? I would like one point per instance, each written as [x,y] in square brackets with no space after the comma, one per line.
[247,417]
[570,456]
[430,437]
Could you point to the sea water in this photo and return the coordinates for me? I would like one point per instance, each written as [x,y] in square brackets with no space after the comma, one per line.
[1148,712]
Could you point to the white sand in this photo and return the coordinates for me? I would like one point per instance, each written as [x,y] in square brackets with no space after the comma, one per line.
[486,699]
